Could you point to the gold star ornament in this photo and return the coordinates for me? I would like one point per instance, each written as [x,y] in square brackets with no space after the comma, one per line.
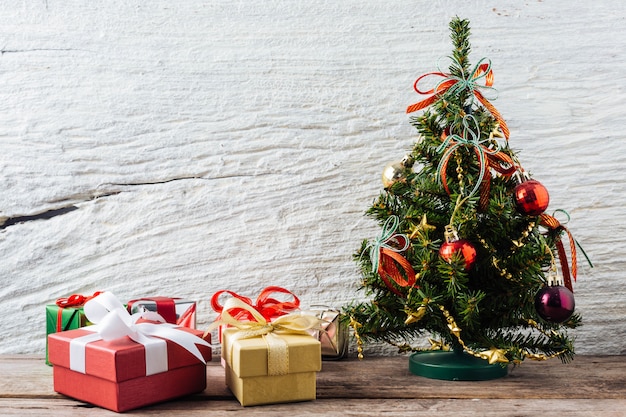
[496,132]
[414,316]
[494,355]
[423,226]
[438,345]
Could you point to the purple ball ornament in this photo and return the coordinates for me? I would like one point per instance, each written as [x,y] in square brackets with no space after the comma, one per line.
[554,303]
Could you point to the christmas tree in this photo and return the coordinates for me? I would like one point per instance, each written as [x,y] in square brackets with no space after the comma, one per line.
[466,253]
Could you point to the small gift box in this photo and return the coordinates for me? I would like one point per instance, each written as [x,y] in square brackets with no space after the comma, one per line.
[268,363]
[123,362]
[173,310]
[66,314]
[333,334]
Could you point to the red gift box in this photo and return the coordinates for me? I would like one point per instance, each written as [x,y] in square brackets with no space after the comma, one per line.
[120,374]
[173,310]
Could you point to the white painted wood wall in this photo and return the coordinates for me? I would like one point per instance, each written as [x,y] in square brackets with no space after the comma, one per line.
[214,145]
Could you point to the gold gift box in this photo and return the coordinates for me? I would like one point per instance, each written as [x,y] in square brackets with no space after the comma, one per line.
[246,365]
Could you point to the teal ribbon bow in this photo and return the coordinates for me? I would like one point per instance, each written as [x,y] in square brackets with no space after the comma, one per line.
[388,233]
[480,71]
[454,141]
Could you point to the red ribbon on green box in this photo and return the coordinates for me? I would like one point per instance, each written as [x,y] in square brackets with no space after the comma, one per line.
[74,301]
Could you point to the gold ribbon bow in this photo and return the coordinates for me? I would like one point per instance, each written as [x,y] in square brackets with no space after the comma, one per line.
[277,348]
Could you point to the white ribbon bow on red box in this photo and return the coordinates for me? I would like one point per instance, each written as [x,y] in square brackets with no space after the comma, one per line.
[112,321]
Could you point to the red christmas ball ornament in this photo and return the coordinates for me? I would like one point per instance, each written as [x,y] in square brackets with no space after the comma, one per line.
[555,303]
[531,198]
[453,245]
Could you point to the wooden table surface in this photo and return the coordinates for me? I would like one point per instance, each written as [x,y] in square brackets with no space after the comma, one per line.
[376,386]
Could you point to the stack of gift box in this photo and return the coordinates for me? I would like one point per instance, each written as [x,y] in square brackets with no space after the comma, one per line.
[125,356]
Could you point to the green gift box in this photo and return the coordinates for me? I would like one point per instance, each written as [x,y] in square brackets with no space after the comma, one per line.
[66,314]
[59,319]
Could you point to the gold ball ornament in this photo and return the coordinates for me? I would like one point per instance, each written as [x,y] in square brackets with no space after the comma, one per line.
[396,171]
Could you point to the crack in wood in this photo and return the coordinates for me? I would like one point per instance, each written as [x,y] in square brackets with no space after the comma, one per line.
[17,51]
[190,177]
[10,221]
[133,184]
[48,214]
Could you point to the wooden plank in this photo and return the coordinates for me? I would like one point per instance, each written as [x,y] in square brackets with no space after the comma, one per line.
[389,377]
[587,377]
[25,376]
[30,377]
[21,407]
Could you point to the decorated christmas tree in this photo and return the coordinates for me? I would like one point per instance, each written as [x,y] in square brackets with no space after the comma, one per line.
[467,253]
